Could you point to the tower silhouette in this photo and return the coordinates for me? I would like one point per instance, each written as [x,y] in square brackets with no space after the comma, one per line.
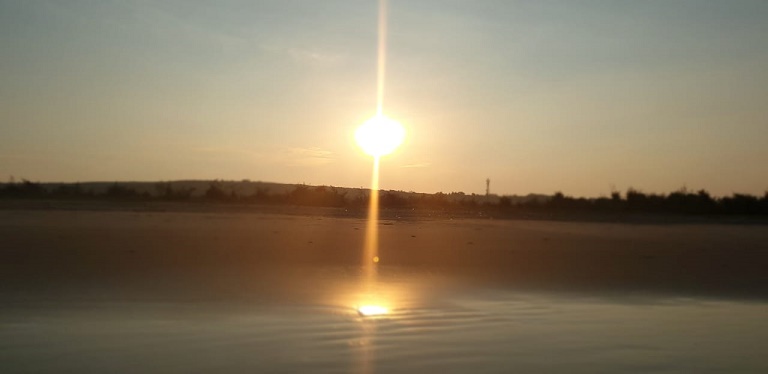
[487,186]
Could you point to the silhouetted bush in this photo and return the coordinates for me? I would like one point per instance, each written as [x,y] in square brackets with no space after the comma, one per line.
[166,191]
[741,204]
[392,200]
[216,193]
[120,192]
[25,189]
[681,201]
[71,191]
[317,196]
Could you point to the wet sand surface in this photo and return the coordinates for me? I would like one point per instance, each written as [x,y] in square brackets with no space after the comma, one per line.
[88,291]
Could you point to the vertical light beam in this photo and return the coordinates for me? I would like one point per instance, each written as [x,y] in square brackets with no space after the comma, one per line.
[382,57]
[371,251]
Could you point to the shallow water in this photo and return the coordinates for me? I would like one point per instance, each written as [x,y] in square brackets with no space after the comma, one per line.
[304,319]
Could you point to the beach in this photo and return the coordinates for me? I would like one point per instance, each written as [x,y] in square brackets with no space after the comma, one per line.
[54,248]
[105,289]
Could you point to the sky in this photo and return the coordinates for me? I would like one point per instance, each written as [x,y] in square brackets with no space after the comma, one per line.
[583,97]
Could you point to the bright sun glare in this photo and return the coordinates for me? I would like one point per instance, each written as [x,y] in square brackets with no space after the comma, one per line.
[380,135]
[372,310]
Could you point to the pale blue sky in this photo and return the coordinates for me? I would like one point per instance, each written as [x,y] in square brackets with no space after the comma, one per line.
[540,96]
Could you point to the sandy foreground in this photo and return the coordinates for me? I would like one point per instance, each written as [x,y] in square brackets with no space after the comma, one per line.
[91,291]
[52,254]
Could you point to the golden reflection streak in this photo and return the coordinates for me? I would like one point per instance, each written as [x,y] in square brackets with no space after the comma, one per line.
[371,249]
[370,261]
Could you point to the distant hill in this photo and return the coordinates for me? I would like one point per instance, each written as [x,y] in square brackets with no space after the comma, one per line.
[681,202]
[245,188]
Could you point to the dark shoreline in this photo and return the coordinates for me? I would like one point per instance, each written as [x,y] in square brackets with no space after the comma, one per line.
[384,214]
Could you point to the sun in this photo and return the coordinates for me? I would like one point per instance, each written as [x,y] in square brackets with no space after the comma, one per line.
[380,135]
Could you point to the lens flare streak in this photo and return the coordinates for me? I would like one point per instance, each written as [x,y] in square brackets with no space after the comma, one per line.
[382,57]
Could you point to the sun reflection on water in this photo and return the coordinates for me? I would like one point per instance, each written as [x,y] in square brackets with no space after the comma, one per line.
[372,310]
[377,137]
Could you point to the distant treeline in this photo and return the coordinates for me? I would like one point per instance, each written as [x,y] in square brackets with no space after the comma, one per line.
[679,202]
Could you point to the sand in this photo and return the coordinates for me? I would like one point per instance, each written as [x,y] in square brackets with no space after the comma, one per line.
[179,255]
[101,288]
